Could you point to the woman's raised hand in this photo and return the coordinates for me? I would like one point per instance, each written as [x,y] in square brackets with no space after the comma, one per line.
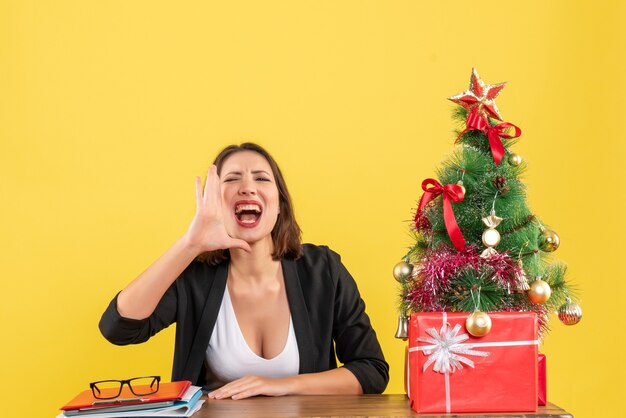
[207,231]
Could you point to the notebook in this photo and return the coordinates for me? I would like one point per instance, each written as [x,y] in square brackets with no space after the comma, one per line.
[168,391]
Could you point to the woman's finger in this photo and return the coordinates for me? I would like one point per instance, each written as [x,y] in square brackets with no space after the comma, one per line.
[207,182]
[248,386]
[198,192]
[212,187]
[246,394]
[239,243]
[245,387]
[227,390]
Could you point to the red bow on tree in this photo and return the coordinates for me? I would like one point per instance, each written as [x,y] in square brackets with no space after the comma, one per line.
[451,193]
[478,122]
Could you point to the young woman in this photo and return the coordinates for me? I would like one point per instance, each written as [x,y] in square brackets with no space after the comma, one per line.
[257,312]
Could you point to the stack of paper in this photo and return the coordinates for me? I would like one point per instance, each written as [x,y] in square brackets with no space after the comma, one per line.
[175,399]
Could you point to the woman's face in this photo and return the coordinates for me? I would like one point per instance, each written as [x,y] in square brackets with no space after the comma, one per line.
[250,198]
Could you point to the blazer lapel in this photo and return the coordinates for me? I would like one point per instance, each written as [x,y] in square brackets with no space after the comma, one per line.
[207,322]
[300,317]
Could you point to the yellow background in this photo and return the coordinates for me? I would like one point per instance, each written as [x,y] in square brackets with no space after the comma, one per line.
[108,109]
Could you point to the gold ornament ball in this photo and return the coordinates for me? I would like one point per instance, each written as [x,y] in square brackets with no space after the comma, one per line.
[570,313]
[539,292]
[548,241]
[515,159]
[478,324]
[402,270]
[491,237]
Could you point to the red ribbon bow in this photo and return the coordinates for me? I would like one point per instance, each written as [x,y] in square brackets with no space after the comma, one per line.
[494,133]
[478,122]
[451,193]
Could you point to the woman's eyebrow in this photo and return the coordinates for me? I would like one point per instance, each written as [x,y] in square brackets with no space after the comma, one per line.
[239,173]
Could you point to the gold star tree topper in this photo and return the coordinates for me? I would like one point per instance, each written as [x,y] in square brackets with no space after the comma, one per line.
[480,98]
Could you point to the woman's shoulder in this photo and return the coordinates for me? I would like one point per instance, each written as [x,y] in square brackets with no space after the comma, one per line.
[313,251]
[198,271]
[319,257]
[320,264]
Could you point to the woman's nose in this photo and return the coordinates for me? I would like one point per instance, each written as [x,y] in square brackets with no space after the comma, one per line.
[247,188]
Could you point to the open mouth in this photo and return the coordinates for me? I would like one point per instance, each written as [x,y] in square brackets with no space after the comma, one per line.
[248,213]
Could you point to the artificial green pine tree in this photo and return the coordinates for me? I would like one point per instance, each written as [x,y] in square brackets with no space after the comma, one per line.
[478,246]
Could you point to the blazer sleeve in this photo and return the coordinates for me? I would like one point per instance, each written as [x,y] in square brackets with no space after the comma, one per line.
[356,344]
[120,330]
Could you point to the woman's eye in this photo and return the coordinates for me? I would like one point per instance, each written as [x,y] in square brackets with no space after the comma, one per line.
[229,179]
[262,179]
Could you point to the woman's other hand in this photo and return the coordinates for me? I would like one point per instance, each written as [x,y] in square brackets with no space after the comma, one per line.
[249,386]
[207,231]
[330,382]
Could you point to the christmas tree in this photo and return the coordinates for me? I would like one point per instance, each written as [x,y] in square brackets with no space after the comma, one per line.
[478,246]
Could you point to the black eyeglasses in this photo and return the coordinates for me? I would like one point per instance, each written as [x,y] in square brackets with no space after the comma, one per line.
[139,386]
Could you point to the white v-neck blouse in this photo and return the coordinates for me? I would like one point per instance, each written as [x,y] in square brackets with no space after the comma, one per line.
[229,357]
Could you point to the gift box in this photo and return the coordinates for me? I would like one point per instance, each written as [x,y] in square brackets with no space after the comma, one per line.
[451,371]
[542,389]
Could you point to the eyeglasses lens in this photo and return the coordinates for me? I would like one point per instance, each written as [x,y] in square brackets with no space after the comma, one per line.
[144,385]
[106,389]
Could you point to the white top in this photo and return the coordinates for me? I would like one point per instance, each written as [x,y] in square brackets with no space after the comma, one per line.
[229,357]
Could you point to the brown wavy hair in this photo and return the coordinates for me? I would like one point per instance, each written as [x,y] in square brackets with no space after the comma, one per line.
[286,235]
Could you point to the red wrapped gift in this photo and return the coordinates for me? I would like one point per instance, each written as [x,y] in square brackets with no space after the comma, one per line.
[451,371]
[542,389]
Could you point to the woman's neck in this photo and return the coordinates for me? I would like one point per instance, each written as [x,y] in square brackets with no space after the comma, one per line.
[256,266]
